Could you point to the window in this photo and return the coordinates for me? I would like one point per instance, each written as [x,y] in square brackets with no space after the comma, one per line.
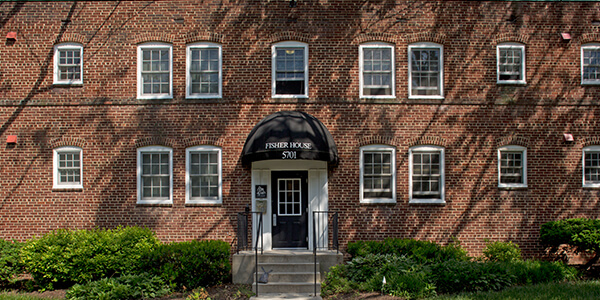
[591,166]
[155,175]
[512,166]
[590,64]
[377,174]
[155,71]
[204,79]
[511,63]
[377,70]
[426,71]
[426,169]
[68,64]
[203,175]
[67,168]
[290,70]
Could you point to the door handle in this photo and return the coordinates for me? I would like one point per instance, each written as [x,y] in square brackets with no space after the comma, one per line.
[274,220]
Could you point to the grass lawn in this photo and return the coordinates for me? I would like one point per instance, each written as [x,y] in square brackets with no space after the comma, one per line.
[549,291]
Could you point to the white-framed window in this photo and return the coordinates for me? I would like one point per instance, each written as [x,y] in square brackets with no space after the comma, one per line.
[290,70]
[203,179]
[68,63]
[377,174]
[155,175]
[512,166]
[377,70]
[68,168]
[590,63]
[426,174]
[511,63]
[426,70]
[204,65]
[155,71]
[591,166]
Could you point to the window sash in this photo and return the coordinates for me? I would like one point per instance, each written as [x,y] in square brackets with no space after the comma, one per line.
[377,174]
[155,72]
[591,65]
[592,167]
[204,173]
[511,167]
[377,67]
[289,71]
[510,64]
[69,167]
[426,174]
[425,71]
[204,71]
[155,176]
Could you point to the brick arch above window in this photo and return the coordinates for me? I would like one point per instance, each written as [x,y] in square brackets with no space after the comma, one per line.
[512,140]
[511,37]
[290,36]
[202,140]
[162,141]
[375,37]
[67,141]
[591,141]
[428,140]
[378,140]
[153,37]
[432,37]
[71,37]
[204,36]
[588,38]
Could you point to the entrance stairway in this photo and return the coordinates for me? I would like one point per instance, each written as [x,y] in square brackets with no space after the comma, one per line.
[292,276]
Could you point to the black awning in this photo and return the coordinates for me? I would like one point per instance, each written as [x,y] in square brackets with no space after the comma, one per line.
[289,135]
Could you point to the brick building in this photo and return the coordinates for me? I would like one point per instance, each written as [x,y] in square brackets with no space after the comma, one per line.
[431,120]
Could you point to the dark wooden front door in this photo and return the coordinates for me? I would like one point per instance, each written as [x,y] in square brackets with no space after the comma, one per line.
[290,209]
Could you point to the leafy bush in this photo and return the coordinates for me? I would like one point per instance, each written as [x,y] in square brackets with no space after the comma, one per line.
[190,264]
[502,251]
[468,276]
[64,257]
[336,281]
[143,286]
[534,272]
[584,234]
[420,251]
[10,267]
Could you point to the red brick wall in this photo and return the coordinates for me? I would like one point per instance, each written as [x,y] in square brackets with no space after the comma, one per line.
[476,117]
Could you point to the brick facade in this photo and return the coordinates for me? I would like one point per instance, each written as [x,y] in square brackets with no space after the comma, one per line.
[104,117]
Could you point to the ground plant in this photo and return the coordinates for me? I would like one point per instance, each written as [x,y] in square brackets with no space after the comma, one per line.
[583,234]
[142,286]
[412,271]
[10,265]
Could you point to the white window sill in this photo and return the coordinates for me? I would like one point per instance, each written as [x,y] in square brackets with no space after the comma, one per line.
[204,202]
[588,83]
[68,187]
[514,82]
[68,83]
[154,97]
[379,97]
[512,186]
[155,202]
[426,97]
[591,186]
[378,201]
[203,97]
[290,96]
[427,201]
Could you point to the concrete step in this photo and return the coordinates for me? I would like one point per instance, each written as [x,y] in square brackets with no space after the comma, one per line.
[292,276]
[286,296]
[286,257]
[288,267]
[286,288]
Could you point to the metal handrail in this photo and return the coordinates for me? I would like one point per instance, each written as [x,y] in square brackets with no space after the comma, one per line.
[317,219]
[242,237]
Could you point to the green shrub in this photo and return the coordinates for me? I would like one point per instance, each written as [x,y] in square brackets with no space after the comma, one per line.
[502,251]
[471,276]
[336,281]
[10,267]
[190,264]
[420,251]
[584,234]
[64,257]
[534,272]
[142,286]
